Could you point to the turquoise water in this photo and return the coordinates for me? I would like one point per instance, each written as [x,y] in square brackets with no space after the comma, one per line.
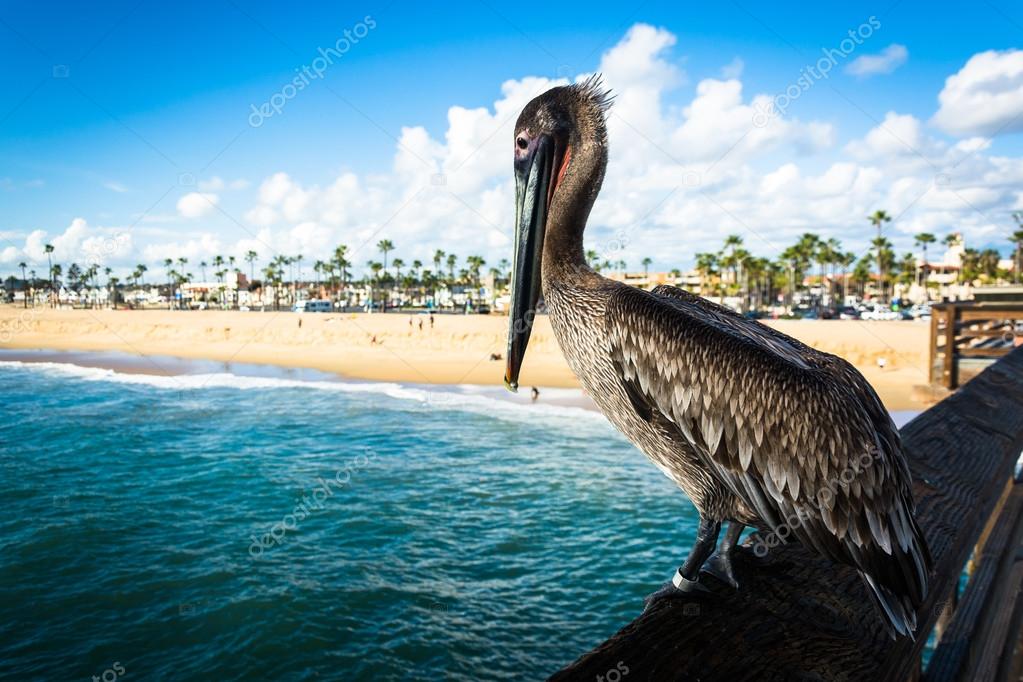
[158,523]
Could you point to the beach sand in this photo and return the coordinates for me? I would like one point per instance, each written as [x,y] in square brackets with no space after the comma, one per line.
[387,348]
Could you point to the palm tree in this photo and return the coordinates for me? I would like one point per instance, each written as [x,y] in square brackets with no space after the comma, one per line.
[385,246]
[887,265]
[922,240]
[91,275]
[250,258]
[845,260]
[646,267]
[167,263]
[376,268]
[732,243]
[706,266]
[24,285]
[397,264]
[861,274]
[317,269]
[1017,240]
[108,272]
[55,274]
[878,219]
[341,263]
[202,268]
[112,283]
[417,266]
[907,269]
[49,261]
[452,262]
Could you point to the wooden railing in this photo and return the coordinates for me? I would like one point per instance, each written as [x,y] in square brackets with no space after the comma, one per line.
[967,330]
[798,617]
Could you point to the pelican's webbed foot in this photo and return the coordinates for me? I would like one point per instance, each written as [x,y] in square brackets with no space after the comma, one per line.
[719,564]
[687,578]
[686,592]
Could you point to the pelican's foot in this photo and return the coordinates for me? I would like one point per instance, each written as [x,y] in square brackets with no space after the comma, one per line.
[719,565]
[687,590]
[678,587]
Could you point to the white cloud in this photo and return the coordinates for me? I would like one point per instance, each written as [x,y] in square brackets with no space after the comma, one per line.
[195,250]
[985,97]
[9,254]
[78,243]
[196,204]
[733,69]
[115,186]
[889,59]
[686,169]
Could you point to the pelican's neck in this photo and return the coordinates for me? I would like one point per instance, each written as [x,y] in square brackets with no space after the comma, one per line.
[564,261]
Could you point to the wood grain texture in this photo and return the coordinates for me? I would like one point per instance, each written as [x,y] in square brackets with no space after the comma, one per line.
[796,617]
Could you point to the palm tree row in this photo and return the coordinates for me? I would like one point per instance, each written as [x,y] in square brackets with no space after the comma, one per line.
[730,271]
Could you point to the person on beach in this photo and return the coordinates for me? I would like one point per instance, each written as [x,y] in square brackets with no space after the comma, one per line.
[431,319]
[534,393]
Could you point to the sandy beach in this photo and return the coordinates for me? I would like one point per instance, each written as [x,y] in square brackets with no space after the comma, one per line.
[387,347]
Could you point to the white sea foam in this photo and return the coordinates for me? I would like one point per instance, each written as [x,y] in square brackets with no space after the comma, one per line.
[489,401]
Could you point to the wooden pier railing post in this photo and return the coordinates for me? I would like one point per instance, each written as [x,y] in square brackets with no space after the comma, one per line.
[796,617]
[948,372]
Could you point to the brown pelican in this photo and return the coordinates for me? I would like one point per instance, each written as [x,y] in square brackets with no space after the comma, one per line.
[755,427]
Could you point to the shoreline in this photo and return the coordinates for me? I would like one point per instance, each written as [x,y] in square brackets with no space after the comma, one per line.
[437,395]
[393,348]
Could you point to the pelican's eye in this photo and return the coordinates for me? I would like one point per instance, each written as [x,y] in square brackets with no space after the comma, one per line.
[522,142]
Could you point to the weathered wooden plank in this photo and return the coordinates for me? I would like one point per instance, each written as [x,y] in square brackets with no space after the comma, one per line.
[801,618]
[983,352]
[948,371]
[971,649]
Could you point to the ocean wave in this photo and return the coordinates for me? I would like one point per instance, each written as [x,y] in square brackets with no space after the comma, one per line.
[489,401]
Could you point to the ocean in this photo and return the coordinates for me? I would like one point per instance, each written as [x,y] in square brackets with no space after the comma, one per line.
[251,523]
[171,519]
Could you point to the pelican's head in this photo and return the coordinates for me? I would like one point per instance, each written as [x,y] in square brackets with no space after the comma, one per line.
[557,131]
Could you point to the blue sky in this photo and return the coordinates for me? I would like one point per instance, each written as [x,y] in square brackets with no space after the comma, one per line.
[156,101]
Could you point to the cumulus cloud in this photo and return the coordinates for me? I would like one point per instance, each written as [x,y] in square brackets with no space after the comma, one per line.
[985,97]
[733,69]
[197,204]
[889,59]
[686,169]
[78,243]
[680,177]
[9,254]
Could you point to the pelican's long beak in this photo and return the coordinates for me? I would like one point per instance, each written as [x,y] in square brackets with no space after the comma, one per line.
[534,177]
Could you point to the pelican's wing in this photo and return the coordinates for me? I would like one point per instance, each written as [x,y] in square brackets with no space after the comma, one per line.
[838,367]
[792,437]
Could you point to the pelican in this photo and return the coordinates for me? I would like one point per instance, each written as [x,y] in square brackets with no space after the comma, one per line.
[756,428]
